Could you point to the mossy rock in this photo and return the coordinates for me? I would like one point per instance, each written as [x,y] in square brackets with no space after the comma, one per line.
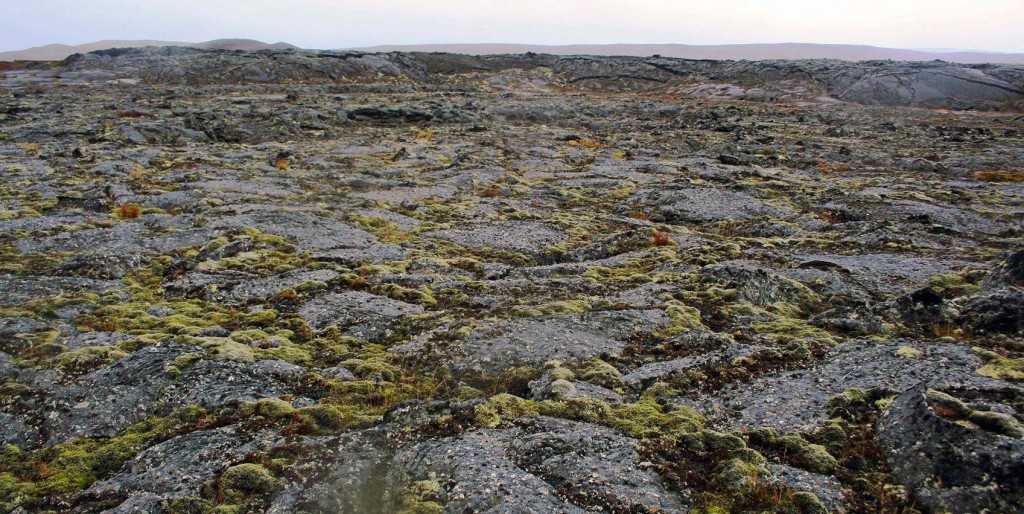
[244,480]
[190,505]
[324,416]
[273,408]
[738,474]
[998,422]
[599,372]
[500,408]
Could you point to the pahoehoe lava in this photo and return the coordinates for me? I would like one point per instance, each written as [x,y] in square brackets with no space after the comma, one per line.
[289,281]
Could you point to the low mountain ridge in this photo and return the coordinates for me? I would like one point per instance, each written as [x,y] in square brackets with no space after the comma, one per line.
[57,52]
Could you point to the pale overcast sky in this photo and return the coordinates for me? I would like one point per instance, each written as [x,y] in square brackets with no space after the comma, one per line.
[972,24]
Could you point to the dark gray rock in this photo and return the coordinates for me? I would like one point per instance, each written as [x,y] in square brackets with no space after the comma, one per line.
[104,402]
[308,231]
[363,315]
[376,254]
[93,339]
[534,341]
[1008,274]
[758,286]
[216,384]
[527,237]
[267,287]
[655,371]
[47,222]
[15,290]
[339,373]
[100,265]
[533,467]
[702,205]
[949,463]
[828,489]
[884,273]
[796,399]
[12,329]
[121,239]
[994,313]
[14,430]
[179,466]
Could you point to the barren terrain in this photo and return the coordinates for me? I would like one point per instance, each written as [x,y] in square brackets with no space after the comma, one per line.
[345,282]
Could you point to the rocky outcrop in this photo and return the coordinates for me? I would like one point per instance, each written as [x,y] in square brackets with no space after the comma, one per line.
[934,84]
[959,448]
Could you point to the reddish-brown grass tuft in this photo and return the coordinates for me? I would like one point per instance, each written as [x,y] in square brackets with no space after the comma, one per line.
[129,211]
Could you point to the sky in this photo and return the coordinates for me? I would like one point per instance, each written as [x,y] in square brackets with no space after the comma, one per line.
[996,25]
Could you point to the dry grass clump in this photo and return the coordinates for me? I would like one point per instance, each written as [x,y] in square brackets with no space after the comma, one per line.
[129,211]
[1000,176]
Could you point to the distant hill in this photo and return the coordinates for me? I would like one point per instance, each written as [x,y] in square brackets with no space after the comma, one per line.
[57,52]
[751,52]
[720,52]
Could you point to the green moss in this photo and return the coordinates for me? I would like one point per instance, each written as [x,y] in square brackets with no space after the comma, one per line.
[190,505]
[500,408]
[382,367]
[183,361]
[808,503]
[74,465]
[999,423]
[946,406]
[423,497]
[289,353]
[248,336]
[84,360]
[246,479]
[738,474]
[464,392]
[684,318]
[721,442]
[796,451]
[387,231]
[625,274]
[324,416]
[225,349]
[590,410]
[647,419]
[999,367]
[274,408]
[784,329]
[598,372]
[953,285]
